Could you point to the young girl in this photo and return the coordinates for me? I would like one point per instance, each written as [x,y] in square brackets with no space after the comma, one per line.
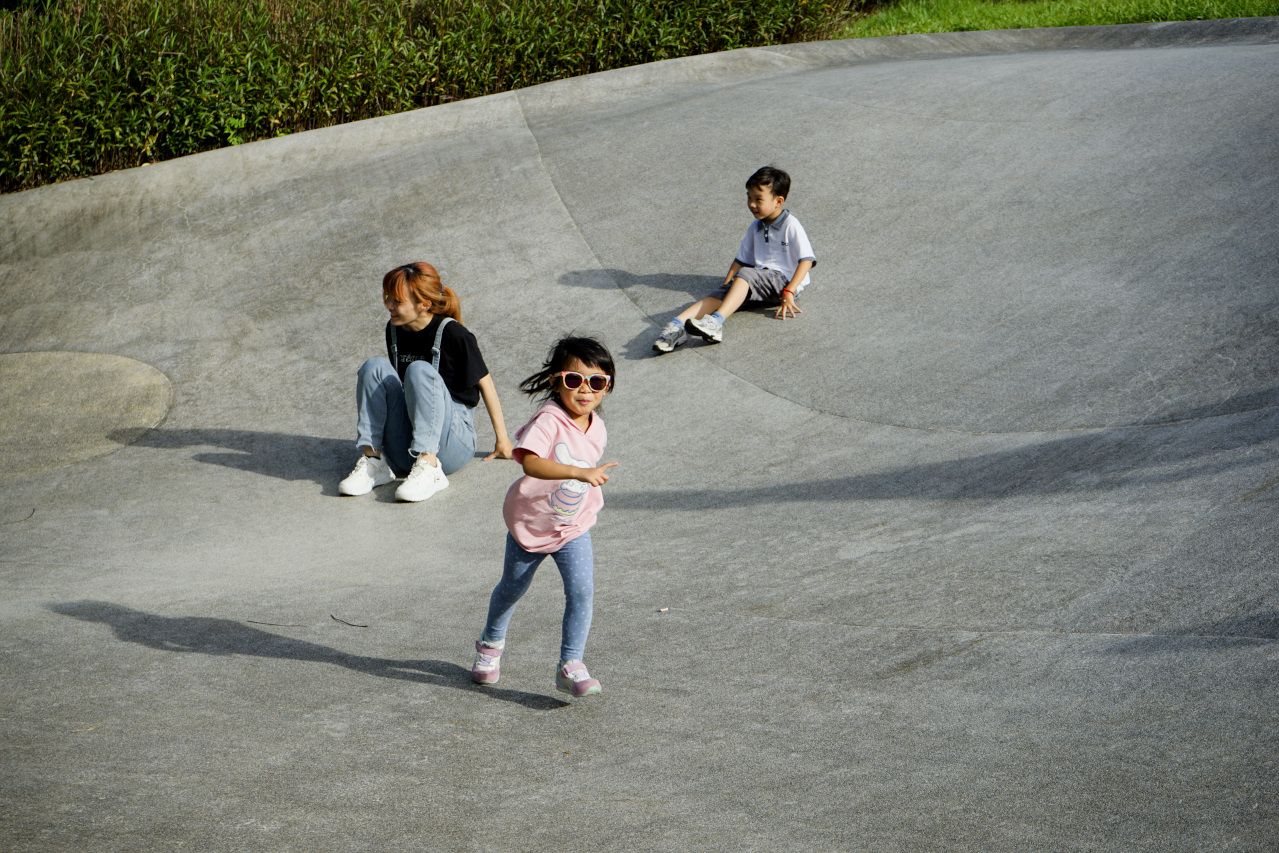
[416,411]
[551,508]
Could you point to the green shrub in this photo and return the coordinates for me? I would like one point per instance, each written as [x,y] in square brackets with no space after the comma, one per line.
[87,86]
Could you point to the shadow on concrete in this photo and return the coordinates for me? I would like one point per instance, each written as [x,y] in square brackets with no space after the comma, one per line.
[693,287]
[204,635]
[1222,635]
[324,461]
[1091,462]
[1230,406]
[1259,626]
[287,457]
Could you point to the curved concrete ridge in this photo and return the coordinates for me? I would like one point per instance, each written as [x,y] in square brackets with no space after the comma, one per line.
[257,160]
[979,627]
[674,76]
[1158,153]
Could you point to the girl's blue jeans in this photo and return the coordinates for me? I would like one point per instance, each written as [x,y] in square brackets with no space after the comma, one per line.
[576,563]
[405,419]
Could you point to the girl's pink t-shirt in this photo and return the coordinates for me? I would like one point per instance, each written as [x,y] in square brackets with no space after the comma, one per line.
[544,514]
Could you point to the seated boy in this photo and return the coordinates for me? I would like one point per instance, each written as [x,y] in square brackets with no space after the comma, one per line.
[771,266]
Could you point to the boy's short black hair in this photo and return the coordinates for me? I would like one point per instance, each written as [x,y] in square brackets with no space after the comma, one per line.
[777,181]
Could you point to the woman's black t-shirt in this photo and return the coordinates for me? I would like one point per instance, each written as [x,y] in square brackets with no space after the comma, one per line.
[461,364]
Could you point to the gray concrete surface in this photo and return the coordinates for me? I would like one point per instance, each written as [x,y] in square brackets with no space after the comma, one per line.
[976,555]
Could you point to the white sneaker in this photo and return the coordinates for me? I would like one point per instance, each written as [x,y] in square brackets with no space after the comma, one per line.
[707,328]
[370,472]
[423,481]
[672,336]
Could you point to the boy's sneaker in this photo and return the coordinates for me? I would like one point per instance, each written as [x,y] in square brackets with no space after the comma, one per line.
[672,336]
[369,472]
[423,481]
[707,328]
[488,666]
[573,678]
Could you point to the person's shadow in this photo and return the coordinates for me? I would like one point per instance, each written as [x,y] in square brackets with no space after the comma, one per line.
[209,636]
[1089,462]
[690,287]
[324,461]
[1256,629]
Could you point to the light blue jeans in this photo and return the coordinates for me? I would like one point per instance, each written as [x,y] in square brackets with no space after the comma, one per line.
[576,563]
[405,419]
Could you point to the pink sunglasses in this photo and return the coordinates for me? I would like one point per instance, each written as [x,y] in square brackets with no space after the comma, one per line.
[595,382]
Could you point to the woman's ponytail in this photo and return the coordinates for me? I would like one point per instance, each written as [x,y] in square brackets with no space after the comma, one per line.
[450,305]
[420,283]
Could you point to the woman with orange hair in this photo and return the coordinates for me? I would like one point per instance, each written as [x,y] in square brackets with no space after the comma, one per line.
[416,409]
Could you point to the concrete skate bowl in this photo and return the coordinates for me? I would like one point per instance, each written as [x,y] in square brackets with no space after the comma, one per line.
[1030,241]
[947,637]
[1016,231]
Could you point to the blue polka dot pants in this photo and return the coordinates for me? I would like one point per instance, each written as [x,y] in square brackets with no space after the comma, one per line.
[576,563]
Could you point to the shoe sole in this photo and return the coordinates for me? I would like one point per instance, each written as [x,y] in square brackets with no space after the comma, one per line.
[345,493]
[424,497]
[659,348]
[357,494]
[706,336]
[594,691]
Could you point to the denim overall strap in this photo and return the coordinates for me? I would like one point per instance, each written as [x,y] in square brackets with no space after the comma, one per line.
[439,337]
[435,350]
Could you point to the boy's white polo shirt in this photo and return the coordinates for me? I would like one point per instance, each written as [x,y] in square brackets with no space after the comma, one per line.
[779,245]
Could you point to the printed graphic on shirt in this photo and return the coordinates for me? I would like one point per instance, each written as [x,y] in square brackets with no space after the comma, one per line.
[566,500]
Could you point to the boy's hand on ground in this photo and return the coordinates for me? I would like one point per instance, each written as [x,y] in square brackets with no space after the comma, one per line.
[788,304]
[596,476]
[504,450]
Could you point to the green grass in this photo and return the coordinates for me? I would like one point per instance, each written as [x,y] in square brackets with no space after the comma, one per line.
[948,16]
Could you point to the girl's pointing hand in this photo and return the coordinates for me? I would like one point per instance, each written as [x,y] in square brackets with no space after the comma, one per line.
[596,476]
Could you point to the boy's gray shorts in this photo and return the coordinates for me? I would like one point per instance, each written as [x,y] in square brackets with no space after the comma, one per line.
[765,285]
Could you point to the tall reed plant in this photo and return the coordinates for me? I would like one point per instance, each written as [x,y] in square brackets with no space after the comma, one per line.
[87,86]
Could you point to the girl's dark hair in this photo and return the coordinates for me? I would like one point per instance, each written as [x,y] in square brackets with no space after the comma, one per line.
[586,350]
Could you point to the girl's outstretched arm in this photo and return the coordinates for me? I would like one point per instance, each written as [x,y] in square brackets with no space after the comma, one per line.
[549,469]
[488,393]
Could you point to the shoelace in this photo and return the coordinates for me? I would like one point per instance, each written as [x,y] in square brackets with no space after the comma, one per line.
[420,468]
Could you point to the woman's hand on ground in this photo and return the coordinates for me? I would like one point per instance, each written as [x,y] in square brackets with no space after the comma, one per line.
[504,450]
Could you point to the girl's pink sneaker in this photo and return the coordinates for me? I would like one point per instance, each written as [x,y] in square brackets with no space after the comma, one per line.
[572,677]
[488,666]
